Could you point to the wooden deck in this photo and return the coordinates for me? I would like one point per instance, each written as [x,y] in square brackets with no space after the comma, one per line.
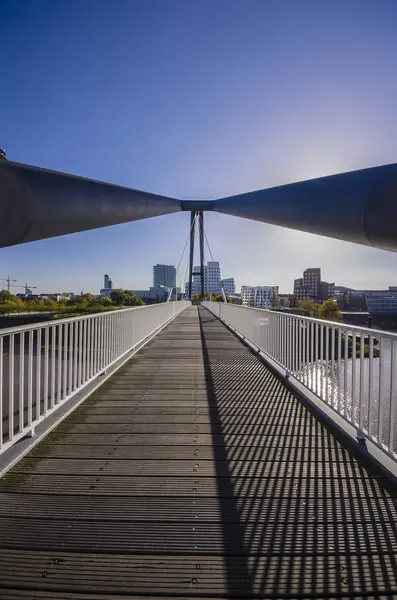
[193,472]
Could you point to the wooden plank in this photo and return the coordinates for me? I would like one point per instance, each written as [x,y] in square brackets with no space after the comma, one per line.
[180,508]
[231,441]
[277,538]
[198,576]
[272,454]
[192,487]
[194,467]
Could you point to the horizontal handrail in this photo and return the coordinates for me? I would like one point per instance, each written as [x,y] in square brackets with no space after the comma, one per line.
[351,369]
[364,330]
[43,365]
[19,328]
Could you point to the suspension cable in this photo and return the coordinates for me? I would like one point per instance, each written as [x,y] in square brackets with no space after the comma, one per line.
[185,280]
[180,260]
[206,239]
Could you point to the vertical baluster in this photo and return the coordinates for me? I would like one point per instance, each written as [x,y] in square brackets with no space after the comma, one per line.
[339,382]
[11,378]
[30,378]
[332,366]
[102,343]
[354,357]
[1,391]
[361,394]
[86,343]
[121,335]
[114,324]
[392,405]
[322,361]
[76,359]
[293,357]
[90,333]
[94,365]
[84,352]
[59,363]
[53,350]
[278,337]
[302,366]
[381,392]
[38,374]
[66,346]
[312,368]
[273,329]
[370,384]
[108,340]
[298,348]
[346,373]
[46,392]
[117,336]
[21,380]
[282,323]
[71,358]
[326,366]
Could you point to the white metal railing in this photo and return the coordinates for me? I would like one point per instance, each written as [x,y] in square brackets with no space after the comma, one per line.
[45,364]
[352,369]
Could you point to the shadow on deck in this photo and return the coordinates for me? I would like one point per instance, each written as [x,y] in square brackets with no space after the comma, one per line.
[193,472]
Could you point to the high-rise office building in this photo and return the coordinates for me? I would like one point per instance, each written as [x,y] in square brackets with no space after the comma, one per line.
[260,296]
[212,279]
[311,286]
[164,275]
[107,289]
[228,286]
[107,283]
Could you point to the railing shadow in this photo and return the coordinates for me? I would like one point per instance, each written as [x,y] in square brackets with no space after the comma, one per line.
[233,537]
[302,515]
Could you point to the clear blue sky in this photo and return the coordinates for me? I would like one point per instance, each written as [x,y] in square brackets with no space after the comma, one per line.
[198,99]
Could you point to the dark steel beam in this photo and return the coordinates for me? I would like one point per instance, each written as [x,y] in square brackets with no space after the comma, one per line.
[191,251]
[197,205]
[359,207]
[37,204]
[201,224]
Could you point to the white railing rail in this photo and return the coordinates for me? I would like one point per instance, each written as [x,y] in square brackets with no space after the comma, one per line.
[352,369]
[44,365]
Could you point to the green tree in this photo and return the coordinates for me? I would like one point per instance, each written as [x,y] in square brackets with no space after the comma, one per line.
[7,306]
[6,295]
[126,298]
[307,304]
[133,299]
[330,311]
[118,297]
[89,298]
[106,302]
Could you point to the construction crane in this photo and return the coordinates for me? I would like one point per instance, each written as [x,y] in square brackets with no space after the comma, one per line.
[26,287]
[10,284]
[8,280]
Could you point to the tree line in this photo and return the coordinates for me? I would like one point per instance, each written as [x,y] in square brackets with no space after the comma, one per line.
[86,303]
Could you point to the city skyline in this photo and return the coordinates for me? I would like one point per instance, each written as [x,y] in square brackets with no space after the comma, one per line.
[281,112]
[16,285]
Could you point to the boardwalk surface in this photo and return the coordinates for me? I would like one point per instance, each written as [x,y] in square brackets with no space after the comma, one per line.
[194,473]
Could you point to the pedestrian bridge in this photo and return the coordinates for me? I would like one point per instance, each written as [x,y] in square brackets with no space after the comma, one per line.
[201,468]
